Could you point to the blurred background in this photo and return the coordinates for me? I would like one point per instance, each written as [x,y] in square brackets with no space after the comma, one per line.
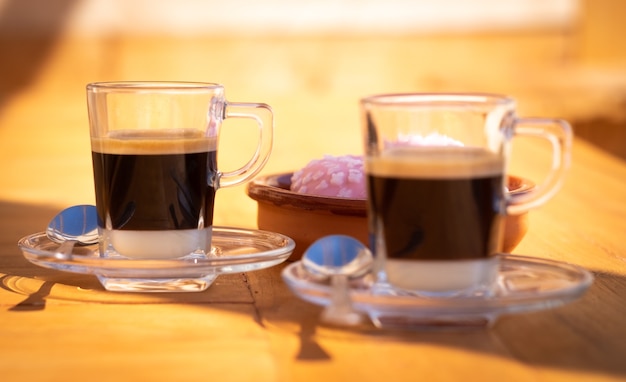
[311,60]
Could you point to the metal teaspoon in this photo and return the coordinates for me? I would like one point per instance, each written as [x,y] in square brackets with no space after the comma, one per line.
[338,257]
[76,225]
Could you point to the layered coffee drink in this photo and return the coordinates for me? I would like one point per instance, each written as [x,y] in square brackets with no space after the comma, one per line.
[435,207]
[155,192]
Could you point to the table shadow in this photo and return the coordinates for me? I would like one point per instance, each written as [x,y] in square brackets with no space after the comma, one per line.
[576,337]
[19,23]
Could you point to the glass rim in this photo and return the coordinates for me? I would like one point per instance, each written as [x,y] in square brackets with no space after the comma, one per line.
[438,99]
[151,86]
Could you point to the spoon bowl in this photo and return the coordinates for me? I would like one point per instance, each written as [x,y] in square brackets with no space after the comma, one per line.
[337,254]
[76,225]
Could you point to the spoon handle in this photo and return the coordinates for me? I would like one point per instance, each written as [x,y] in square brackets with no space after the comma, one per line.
[340,310]
[64,252]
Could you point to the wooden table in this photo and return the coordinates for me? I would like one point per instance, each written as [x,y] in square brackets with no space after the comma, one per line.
[250,327]
[60,326]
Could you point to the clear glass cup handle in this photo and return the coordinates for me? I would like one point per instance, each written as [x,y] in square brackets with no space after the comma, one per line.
[263,116]
[559,134]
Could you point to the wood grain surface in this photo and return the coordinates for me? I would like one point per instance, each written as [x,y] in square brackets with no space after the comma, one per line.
[60,326]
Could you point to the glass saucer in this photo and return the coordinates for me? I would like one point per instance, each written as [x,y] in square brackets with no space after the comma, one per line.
[234,250]
[524,284]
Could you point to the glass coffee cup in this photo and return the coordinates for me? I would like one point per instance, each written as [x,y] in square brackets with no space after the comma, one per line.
[436,177]
[154,150]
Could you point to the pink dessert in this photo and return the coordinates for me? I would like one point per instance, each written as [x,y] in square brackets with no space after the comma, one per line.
[343,176]
[339,177]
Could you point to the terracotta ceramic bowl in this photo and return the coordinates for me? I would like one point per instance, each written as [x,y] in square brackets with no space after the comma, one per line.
[306,218]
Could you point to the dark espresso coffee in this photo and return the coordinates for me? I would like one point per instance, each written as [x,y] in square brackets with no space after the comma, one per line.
[155,181]
[437,203]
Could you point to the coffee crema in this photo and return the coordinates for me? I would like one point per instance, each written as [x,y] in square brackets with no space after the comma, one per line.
[146,142]
[437,203]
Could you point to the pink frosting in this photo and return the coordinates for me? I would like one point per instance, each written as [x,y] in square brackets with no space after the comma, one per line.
[341,176]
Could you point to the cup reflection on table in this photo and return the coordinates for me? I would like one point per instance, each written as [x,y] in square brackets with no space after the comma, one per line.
[436,178]
[154,151]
